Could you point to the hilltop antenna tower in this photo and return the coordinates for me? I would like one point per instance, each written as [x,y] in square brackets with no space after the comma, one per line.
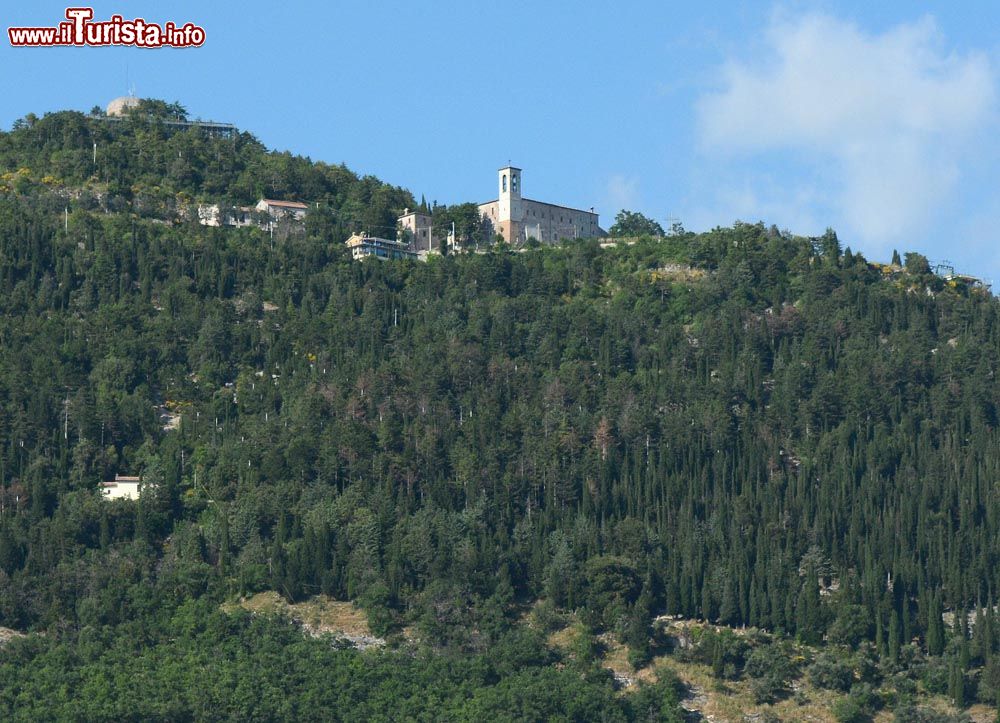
[129,86]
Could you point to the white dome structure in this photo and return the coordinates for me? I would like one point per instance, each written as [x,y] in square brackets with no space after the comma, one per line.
[118,106]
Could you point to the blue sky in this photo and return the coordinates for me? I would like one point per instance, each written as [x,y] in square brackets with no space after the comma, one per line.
[878,120]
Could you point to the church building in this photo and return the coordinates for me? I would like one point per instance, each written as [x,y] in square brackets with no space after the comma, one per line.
[518,219]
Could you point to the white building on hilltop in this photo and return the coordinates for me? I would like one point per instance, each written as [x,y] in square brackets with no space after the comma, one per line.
[518,219]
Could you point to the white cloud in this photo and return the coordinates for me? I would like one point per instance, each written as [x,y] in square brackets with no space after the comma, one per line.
[760,200]
[622,192]
[879,123]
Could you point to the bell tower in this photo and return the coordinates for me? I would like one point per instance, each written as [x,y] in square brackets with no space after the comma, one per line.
[510,213]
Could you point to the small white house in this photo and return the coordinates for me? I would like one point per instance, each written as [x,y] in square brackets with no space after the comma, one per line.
[123,487]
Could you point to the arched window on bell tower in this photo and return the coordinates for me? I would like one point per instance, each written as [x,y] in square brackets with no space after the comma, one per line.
[509,182]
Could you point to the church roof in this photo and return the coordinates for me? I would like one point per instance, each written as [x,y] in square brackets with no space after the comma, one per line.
[546,203]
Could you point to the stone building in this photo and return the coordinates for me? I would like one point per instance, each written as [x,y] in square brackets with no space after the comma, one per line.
[119,106]
[518,219]
[283,210]
[416,230]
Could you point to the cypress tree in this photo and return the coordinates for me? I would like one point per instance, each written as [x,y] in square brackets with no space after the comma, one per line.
[809,614]
[706,602]
[894,636]
[956,686]
[718,662]
[935,626]
[728,612]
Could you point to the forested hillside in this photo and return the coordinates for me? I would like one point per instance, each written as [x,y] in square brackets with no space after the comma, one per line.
[742,426]
[141,166]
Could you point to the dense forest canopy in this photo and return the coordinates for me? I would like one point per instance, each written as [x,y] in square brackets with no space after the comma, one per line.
[740,426]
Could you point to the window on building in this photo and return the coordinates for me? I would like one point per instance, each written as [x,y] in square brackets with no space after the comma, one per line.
[504,182]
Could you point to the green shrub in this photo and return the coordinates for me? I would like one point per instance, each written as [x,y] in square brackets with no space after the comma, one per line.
[546,617]
[849,710]
[771,660]
[831,672]
[852,625]
[934,676]
[771,667]
[766,690]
